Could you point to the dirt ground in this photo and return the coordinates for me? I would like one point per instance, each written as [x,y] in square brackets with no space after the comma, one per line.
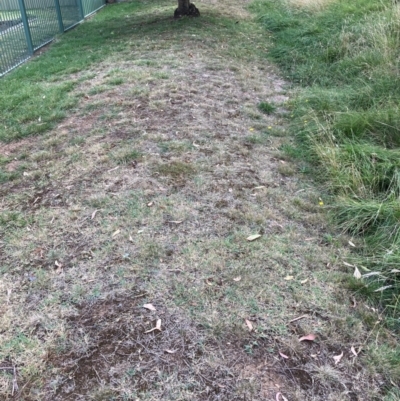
[168,187]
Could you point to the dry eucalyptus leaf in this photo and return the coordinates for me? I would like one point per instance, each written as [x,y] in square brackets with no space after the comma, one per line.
[352,244]
[249,324]
[94,214]
[116,233]
[149,307]
[171,351]
[283,355]
[253,237]
[238,278]
[130,238]
[288,278]
[357,273]
[309,337]
[278,397]
[158,327]
[347,264]
[383,288]
[304,281]
[337,358]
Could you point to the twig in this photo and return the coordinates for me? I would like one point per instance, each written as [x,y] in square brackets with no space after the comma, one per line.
[297,318]
[15,384]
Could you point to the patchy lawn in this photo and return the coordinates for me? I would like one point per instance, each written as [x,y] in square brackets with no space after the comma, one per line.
[164,185]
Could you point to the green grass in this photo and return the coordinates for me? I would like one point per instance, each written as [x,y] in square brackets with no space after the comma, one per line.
[344,58]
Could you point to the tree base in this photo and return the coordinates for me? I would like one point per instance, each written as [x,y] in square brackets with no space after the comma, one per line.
[192,11]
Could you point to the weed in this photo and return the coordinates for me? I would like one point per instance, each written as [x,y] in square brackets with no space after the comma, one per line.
[266,107]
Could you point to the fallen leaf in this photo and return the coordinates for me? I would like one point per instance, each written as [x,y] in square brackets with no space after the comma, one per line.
[395,271]
[357,273]
[279,395]
[238,278]
[249,324]
[253,237]
[171,351]
[283,355]
[304,281]
[383,288]
[309,337]
[149,307]
[57,263]
[158,327]
[353,351]
[116,233]
[130,238]
[94,214]
[260,187]
[352,244]
[288,278]
[337,358]
[150,204]
[347,264]
[175,221]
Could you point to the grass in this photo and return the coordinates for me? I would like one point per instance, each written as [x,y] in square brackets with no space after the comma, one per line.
[145,191]
[343,57]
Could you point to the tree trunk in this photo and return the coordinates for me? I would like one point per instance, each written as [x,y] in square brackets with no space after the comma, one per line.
[185,7]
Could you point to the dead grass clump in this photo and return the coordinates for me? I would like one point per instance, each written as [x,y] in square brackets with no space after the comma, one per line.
[176,170]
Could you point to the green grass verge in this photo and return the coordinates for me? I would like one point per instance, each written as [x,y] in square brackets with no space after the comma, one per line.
[344,59]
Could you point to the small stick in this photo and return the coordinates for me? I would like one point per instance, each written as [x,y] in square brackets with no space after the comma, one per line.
[15,384]
[297,318]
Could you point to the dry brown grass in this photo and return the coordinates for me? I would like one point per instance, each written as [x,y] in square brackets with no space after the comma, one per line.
[86,240]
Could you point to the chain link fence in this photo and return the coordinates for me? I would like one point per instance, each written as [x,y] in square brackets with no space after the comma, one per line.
[27,25]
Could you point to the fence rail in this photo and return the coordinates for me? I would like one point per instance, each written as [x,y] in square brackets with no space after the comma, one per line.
[27,25]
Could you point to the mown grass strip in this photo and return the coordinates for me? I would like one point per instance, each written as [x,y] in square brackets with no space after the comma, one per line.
[344,57]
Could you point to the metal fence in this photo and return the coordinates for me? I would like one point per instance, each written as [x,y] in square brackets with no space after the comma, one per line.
[27,25]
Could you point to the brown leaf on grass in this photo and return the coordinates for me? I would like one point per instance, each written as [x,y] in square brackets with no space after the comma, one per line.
[249,324]
[309,337]
[337,358]
[158,327]
[283,355]
[149,307]
[253,237]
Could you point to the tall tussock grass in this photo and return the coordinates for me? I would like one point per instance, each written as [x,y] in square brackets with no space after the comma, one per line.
[344,58]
